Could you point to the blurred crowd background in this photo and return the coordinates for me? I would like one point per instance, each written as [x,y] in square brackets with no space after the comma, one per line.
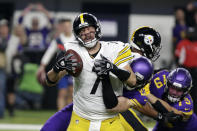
[28,30]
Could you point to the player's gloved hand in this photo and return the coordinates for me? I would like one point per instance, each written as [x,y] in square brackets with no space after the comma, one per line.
[140,81]
[64,62]
[172,117]
[103,66]
[169,117]
[139,84]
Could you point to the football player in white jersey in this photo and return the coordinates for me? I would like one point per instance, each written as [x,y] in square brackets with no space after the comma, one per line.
[89,112]
[130,121]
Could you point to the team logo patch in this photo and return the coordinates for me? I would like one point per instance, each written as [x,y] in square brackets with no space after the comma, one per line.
[148,39]
[62,63]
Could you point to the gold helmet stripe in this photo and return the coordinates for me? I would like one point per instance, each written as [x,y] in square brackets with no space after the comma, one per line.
[81,19]
[135,31]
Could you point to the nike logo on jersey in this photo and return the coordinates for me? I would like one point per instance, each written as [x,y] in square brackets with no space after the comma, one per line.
[111,122]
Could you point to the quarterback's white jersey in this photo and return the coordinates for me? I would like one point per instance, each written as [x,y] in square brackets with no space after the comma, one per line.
[87,94]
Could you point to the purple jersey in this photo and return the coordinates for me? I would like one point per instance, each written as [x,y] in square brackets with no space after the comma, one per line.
[60,120]
[179,32]
[136,97]
[37,39]
[157,88]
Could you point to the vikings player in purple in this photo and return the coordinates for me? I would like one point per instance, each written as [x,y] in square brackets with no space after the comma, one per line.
[172,90]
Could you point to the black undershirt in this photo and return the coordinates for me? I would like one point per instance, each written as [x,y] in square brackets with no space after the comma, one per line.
[94,55]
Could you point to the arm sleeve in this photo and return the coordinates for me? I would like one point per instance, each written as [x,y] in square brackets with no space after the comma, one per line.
[49,53]
[109,98]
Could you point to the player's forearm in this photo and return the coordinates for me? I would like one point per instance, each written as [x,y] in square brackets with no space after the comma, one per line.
[147,110]
[123,105]
[165,105]
[109,98]
[52,77]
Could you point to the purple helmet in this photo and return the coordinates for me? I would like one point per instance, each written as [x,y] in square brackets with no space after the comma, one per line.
[143,69]
[181,80]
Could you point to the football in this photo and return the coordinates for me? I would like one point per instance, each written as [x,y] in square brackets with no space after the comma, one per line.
[79,66]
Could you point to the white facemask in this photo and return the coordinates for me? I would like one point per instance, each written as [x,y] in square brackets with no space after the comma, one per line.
[91,43]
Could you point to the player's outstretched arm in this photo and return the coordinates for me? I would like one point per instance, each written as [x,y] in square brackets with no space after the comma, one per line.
[63,64]
[161,105]
[104,66]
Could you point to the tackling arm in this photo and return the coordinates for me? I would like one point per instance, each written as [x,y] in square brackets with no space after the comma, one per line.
[111,101]
[162,105]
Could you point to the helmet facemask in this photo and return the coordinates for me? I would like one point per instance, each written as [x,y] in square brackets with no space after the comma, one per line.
[86,20]
[179,79]
[174,86]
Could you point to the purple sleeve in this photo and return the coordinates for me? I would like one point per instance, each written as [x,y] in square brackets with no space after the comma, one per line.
[60,120]
[137,95]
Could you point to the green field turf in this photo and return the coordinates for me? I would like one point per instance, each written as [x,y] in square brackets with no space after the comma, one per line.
[28,117]
[38,117]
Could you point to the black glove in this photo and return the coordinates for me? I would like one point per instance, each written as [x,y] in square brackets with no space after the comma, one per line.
[169,117]
[64,62]
[102,66]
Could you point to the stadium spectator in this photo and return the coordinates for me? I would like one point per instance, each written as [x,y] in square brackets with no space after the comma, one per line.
[8,48]
[189,14]
[180,28]
[65,84]
[29,92]
[20,32]
[37,37]
[12,81]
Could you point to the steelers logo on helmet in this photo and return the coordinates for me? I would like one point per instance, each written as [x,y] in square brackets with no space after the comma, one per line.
[148,39]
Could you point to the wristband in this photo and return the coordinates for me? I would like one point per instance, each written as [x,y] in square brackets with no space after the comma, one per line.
[49,81]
